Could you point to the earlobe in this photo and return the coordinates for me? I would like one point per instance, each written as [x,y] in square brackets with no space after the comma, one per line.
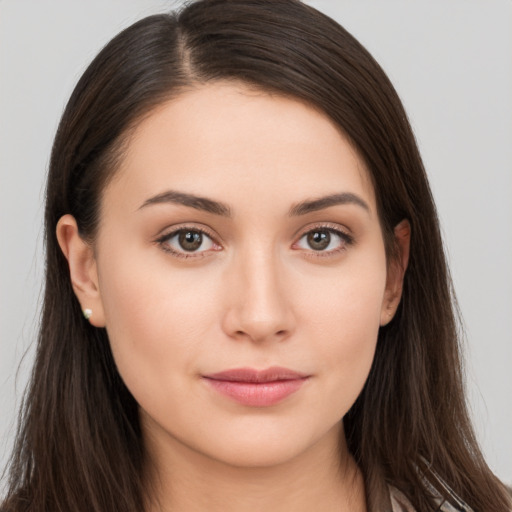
[82,269]
[396,272]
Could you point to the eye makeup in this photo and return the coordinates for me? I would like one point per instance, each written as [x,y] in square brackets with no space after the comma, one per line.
[190,241]
[324,240]
[185,241]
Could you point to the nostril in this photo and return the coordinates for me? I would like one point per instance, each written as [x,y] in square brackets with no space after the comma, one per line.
[281,333]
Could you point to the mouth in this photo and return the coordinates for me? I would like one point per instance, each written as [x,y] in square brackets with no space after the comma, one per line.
[257,388]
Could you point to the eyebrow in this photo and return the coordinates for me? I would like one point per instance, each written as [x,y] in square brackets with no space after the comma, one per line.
[315,205]
[190,200]
[218,208]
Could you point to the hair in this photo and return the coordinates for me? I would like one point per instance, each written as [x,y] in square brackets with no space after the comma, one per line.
[79,444]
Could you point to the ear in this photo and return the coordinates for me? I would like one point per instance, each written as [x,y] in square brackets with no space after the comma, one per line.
[396,272]
[82,269]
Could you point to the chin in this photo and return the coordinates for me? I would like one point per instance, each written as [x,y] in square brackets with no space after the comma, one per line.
[259,454]
[264,448]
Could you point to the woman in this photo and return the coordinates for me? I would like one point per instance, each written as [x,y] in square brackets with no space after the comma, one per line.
[237,315]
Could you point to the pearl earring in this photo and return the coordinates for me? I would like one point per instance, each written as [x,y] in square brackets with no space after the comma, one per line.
[87,313]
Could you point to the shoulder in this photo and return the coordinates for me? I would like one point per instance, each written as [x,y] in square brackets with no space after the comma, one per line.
[400,503]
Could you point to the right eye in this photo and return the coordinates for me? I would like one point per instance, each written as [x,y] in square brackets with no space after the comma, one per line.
[187,242]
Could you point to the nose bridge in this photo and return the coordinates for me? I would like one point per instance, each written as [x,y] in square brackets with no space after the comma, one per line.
[259,307]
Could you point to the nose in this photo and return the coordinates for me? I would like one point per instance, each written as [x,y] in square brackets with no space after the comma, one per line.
[259,307]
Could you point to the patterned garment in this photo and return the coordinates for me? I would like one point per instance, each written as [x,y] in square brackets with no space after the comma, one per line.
[399,503]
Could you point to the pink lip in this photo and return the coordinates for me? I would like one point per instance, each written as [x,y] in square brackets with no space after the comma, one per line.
[257,388]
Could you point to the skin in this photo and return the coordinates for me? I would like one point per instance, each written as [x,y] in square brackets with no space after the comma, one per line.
[256,294]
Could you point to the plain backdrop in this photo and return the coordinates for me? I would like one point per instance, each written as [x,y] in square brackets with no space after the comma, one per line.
[451,62]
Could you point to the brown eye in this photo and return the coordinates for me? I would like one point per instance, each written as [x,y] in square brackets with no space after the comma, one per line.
[187,241]
[190,240]
[325,240]
[319,240]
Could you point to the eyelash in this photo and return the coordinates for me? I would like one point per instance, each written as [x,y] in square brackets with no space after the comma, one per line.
[346,240]
[164,239]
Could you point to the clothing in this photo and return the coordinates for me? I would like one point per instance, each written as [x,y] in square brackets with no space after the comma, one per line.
[399,503]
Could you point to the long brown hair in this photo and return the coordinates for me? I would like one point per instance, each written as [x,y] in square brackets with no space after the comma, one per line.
[79,445]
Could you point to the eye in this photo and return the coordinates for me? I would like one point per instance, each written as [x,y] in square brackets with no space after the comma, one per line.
[187,242]
[323,239]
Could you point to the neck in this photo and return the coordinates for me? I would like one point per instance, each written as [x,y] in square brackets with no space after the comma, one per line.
[324,478]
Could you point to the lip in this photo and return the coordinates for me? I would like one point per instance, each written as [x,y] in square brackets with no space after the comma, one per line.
[257,388]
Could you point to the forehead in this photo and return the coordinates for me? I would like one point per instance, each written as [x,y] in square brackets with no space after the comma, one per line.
[226,139]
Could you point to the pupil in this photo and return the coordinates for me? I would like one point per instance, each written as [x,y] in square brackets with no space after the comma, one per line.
[319,240]
[190,240]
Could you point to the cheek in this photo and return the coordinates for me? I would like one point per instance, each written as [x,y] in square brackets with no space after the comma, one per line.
[347,302]
[343,315]
[153,321]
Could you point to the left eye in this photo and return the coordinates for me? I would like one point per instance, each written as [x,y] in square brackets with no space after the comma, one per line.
[322,240]
[188,241]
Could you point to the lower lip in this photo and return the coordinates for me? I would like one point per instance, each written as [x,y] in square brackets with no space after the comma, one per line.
[257,394]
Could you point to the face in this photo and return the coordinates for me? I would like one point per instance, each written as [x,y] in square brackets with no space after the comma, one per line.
[241,275]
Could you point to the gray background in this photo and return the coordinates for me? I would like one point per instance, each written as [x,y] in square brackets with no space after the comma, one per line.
[451,62]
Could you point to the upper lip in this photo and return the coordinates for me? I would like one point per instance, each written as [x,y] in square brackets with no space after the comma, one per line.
[272,374]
